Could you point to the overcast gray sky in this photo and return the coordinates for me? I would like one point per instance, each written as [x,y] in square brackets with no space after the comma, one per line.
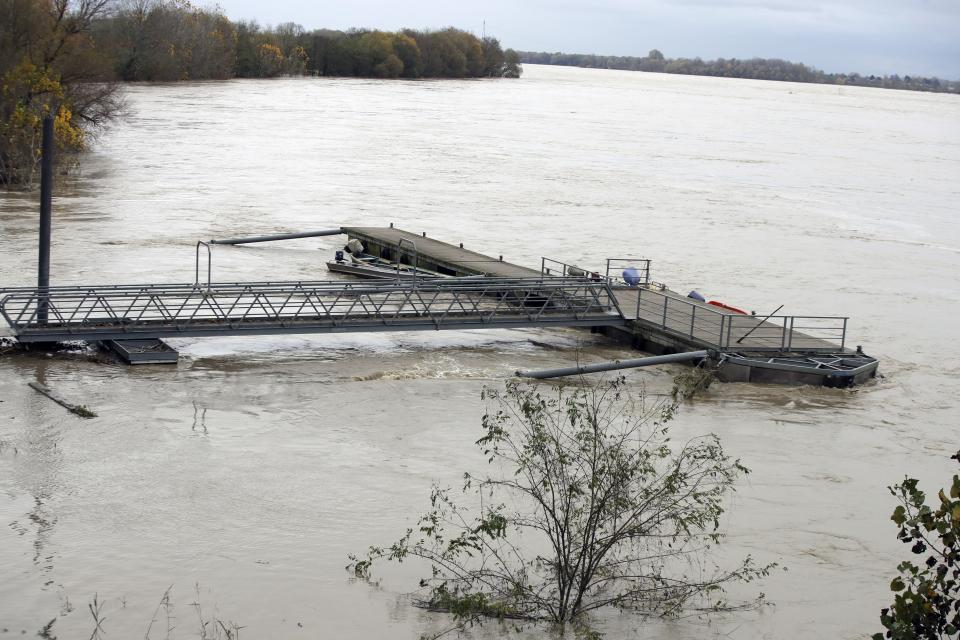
[909,37]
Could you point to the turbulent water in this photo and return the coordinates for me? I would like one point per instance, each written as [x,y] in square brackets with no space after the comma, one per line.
[246,475]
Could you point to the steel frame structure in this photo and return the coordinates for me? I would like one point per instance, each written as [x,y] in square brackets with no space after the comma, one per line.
[120,312]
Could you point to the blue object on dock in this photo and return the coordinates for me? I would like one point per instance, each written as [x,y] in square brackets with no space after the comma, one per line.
[631,276]
[696,296]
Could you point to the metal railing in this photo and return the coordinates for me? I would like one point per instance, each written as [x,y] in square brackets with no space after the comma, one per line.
[416,258]
[616,268]
[557,269]
[119,311]
[732,332]
[613,272]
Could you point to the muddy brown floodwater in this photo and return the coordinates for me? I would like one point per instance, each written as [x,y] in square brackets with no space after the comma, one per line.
[254,467]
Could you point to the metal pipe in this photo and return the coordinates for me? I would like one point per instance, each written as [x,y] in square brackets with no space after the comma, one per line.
[279,236]
[46,208]
[611,366]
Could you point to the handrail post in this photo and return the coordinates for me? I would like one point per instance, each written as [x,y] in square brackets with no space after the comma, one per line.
[723,319]
[783,335]
[693,317]
[790,338]
[843,336]
[666,301]
[607,274]
[416,259]
[196,272]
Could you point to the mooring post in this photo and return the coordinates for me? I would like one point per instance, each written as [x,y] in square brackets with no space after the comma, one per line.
[46,202]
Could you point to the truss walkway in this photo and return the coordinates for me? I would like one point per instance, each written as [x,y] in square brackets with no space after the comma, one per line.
[124,312]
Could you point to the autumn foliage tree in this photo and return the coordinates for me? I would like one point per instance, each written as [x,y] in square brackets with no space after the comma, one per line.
[50,66]
[167,40]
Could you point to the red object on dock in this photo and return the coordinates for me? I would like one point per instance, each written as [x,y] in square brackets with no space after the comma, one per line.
[728,307]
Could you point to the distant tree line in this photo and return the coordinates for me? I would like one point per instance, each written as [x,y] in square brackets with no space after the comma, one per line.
[450,53]
[64,58]
[754,68]
[174,40]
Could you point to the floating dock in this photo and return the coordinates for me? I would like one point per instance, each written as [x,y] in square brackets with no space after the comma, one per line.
[148,351]
[409,248]
[481,292]
[779,349]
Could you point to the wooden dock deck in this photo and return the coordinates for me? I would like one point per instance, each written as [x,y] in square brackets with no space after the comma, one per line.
[435,255]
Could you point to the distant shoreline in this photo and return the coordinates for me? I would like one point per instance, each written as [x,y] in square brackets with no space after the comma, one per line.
[752,69]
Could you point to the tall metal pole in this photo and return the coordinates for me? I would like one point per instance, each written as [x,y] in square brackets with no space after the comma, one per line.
[46,202]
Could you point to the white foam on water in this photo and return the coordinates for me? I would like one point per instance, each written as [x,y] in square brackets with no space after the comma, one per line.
[342,344]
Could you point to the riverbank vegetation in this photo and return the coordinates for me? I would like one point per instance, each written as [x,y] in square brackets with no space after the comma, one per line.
[754,68]
[168,40]
[49,65]
[588,505]
[65,58]
[926,601]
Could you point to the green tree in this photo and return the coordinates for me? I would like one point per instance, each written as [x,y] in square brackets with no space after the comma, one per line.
[511,65]
[926,604]
[493,58]
[373,48]
[408,52]
[588,505]
[168,40]
[247,64]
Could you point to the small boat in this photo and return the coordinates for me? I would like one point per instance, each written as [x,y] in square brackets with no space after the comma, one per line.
[365,265]
[728,307]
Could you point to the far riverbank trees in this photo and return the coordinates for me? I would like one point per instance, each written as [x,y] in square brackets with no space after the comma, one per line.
[753,68]
[151,40]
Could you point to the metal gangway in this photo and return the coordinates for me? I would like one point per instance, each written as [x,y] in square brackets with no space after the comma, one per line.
[124,312]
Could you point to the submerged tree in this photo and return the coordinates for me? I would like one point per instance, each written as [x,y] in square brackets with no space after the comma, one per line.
[511,65]
[588,504]
[927,600]
[49,66]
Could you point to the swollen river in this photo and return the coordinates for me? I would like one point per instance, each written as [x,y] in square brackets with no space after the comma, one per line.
[244,476]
